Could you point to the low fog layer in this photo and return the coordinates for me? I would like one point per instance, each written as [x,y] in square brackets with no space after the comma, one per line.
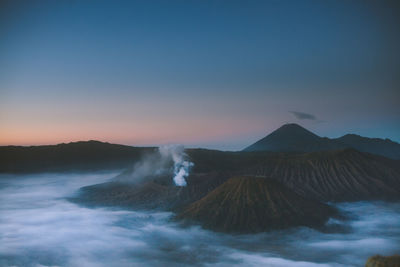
[39,227]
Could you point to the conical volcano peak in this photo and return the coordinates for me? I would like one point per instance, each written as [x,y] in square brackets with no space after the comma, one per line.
[293,137]
[293,130]
[247,204]
[292,126]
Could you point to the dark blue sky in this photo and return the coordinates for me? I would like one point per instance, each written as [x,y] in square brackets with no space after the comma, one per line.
[204,73]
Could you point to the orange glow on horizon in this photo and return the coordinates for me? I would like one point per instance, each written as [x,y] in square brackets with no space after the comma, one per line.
[155,134]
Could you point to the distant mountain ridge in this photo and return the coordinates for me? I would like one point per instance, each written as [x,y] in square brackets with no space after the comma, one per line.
[79,156]
[383,147]
[94,155]
[294,138]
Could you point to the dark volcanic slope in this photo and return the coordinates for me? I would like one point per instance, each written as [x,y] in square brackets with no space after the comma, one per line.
[383,147]
[90,155]
[293,137]
[251,204]
[383,261]
[157,193]
[344,175]
[347,175]
[149,195]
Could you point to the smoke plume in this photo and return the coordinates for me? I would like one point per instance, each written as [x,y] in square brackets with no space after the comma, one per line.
[167,160]
[181,165]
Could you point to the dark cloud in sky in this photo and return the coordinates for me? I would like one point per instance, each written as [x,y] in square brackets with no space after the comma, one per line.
[303,116]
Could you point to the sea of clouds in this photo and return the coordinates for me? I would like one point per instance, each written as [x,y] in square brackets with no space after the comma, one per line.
[40,227]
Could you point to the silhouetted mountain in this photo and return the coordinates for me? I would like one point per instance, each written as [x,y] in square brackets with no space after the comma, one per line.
[254,204]
[94,155]
[90,155]
[294,138]
[383,147]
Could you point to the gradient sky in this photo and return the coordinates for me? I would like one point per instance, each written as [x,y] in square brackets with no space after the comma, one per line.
[216,74]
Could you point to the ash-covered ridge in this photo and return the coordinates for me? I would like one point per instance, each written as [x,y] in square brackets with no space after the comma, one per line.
[255,204]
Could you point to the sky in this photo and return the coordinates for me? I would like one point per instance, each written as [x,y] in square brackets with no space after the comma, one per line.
[214,74]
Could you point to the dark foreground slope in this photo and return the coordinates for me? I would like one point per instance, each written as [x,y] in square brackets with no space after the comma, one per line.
[343,175]
[79,156]
[383,261]
[254,204]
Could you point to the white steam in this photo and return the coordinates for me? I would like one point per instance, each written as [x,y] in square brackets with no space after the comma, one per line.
[169,159]
[181,165]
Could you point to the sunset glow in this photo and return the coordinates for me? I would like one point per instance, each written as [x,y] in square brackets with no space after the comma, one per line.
[213,75]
